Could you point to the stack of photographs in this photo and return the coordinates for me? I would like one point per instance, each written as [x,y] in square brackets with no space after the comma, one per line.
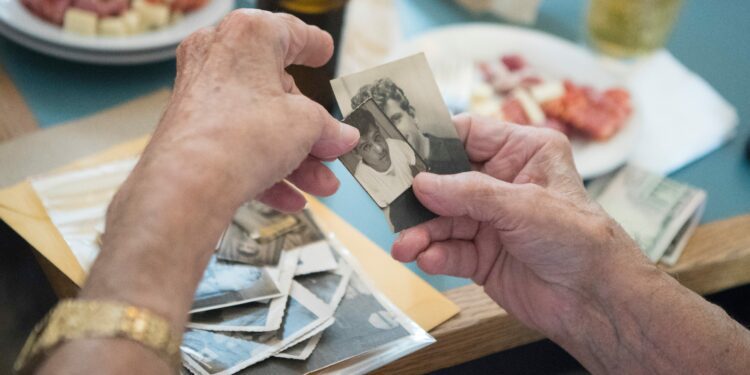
[281,297]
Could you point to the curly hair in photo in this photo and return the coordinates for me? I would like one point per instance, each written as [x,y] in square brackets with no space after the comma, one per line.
[380,91]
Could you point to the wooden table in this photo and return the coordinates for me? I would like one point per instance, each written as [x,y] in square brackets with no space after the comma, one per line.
[716,258]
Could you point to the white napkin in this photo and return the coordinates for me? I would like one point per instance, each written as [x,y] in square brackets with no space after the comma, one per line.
[683,117]
[371,29]
[521,11]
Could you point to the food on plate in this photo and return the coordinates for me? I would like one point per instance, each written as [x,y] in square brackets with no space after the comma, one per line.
[510,89]
[112,18]
[80,21]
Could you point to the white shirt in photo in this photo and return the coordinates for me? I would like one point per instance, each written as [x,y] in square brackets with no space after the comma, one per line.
[385,187]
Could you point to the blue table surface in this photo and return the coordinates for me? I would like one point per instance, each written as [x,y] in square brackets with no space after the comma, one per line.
[709,39]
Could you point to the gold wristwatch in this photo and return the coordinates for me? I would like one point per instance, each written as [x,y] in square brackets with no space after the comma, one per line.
[77,319]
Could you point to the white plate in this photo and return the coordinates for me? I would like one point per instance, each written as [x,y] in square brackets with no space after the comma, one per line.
[73,54]
[17,17]
[551,55]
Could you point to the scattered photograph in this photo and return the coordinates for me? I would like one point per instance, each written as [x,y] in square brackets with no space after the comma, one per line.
[214,353]
[384,164]
[302,350]
[315,257]
[227,284]
[258,234]
[406,91]
[259,316]
[329,287]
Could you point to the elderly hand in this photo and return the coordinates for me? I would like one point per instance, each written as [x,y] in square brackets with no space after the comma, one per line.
[521,225]
[237,116]
[236,128]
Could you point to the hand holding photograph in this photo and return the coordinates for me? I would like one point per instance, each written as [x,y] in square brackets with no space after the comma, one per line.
[407,96]
[384,164]
[406,91]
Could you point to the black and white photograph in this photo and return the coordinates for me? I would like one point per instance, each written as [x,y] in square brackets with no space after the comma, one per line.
[315,257]
[406,91]
[228,284]
[257,316]
[214,353]
[302,350]
[329,287]
[258,234]
[384,164]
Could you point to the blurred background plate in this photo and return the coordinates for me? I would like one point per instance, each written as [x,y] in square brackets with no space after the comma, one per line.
[550,55]
[14,16]
[88,56]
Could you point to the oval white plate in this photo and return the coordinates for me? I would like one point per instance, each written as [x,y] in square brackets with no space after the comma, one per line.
[17,17]
[79,55]
[553,56]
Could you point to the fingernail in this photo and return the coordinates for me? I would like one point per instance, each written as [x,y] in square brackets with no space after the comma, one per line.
[400,236]
[349,134]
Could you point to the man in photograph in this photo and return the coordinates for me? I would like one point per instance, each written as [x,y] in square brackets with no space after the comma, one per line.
[387,165]
[442,155]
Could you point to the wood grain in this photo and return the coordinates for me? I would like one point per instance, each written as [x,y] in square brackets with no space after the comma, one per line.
[15,116]
[716,258]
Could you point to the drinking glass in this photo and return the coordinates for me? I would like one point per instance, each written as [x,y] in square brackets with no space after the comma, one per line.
[628,28]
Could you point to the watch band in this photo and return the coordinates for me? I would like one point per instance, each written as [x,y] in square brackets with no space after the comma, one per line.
[77,319]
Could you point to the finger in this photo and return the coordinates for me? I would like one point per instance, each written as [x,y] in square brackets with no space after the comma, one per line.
[314,178]
[283,197]
[307,45]
[414,240]
[190,56]
[410,243]
[482,137]
[473,194]
[454,258]
[313,131]
[336,138]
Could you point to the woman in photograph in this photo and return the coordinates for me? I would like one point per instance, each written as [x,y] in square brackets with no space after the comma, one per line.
[387,165]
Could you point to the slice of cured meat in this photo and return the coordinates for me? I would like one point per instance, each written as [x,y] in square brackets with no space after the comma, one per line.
[50,10]
[513,111]
[103,8]
[598,116]
[187,5]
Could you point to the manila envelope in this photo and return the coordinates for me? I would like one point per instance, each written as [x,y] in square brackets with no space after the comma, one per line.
[22,210]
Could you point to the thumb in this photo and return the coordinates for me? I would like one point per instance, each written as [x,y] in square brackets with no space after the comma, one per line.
[473,194]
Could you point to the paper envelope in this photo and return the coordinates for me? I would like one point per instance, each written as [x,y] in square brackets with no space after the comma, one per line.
[22,210]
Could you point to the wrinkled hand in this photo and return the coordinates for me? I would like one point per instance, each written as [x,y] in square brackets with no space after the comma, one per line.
[237,117]
[521,225]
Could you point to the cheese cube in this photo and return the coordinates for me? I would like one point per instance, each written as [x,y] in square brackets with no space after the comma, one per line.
[113,26]
[177,16]
[533,110]
[547,91]
[80,21]
[133,22]
[489,108]
[482,91]
[153,16]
